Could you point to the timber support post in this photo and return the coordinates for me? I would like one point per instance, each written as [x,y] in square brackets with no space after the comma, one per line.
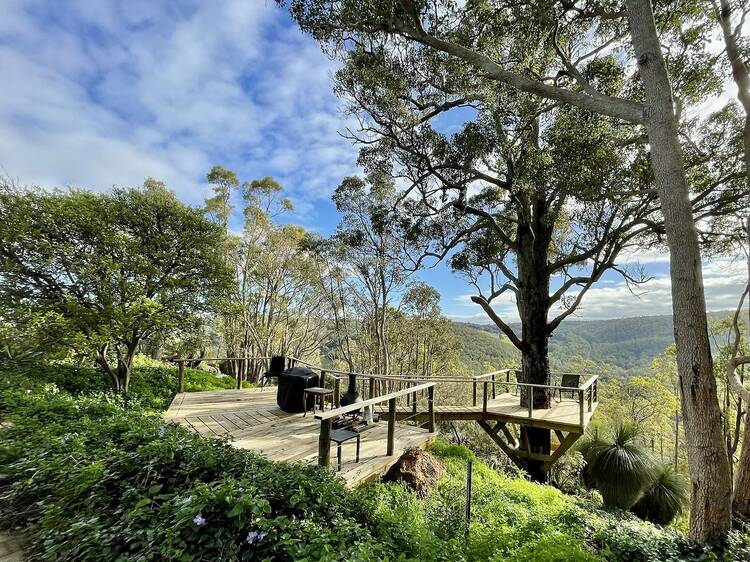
[474,387]
[484,397]
[431,409]
[324,442]
[181,376]
[391,426]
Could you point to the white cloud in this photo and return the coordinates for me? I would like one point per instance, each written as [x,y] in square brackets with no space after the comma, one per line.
[108,93]
[723,281]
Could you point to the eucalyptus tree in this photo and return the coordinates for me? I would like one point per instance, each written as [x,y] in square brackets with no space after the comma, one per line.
[664,53]
[514,198]
[274,305]
[100,273]
[370,249]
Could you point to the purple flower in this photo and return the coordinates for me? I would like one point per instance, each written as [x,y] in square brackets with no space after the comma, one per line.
[199,520]
[255,536]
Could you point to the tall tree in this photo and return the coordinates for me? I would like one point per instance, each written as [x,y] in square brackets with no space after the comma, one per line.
[465,33]
[527,199]
[369,246]
[99,273]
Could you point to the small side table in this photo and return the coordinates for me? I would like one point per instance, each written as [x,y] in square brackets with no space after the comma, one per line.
[340,436]
[317,392]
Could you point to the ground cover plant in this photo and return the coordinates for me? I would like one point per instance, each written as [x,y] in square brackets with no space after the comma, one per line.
[92,475]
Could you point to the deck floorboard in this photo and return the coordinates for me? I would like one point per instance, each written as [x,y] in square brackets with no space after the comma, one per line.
[253,421]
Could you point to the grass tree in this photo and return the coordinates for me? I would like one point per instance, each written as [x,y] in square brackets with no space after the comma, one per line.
[618,466]
[665,498]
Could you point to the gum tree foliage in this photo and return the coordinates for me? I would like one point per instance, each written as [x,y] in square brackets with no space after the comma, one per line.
[663,53]
[100,273]
[274,304]
[530,201]
[368,247]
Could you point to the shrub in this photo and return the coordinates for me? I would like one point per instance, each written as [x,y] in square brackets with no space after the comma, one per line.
[93,478]
[664,499]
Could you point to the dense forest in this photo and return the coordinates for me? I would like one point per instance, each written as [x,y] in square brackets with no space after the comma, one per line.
[626,345]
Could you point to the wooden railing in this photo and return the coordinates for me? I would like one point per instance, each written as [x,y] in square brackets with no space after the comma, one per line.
[326,418]
[586,393]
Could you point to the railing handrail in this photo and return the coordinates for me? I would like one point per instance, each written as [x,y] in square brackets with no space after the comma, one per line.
[371,402]
[339,375]
[199,359]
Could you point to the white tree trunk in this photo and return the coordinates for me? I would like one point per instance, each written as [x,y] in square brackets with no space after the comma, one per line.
[710,514]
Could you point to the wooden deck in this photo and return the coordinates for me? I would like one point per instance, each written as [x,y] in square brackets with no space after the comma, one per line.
[253,421]
[564,414]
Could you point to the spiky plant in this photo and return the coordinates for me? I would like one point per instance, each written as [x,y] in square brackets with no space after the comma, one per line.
[617,466]
[664,499]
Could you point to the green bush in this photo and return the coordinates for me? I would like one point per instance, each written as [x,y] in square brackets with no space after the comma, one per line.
[93,478]
[152,382]
[513,519]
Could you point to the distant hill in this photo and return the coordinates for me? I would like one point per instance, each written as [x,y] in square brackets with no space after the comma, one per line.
[484,344]
[629,344]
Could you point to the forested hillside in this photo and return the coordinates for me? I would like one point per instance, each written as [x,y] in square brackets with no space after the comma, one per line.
[629,344]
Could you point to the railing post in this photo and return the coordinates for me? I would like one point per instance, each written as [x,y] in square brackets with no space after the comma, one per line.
[431,409]
[413,403]
[391,426]
[238,372]
[494,394]
[181,376]
[324,442]
[484,397]
[372,387]
[591,396]
[474,401]
[530,400]
[337,391]
[507,382]
[322,378]
[580,407]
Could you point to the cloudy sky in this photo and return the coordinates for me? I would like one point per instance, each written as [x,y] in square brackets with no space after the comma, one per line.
[99,93]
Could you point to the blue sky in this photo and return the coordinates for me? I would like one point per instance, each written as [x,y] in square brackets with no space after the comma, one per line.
[100,93]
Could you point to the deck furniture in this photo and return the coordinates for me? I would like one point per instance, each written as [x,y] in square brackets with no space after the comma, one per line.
[571,381]
[340,436]
[318,392]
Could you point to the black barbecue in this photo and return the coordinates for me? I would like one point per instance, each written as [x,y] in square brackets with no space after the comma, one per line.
[292,385]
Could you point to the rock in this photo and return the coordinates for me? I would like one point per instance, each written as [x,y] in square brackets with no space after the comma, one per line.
[418,469]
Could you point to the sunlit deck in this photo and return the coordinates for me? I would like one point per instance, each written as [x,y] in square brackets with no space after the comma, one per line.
[564,415]
[253,421]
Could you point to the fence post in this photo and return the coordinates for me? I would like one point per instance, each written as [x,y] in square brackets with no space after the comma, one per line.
[391,425]
[474,401]
[324,442]
[484,397]
[591,396]
[372,387]
[181,376]
[494,394]
[431,409]
[238,371]
[337,391]
[468,497]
